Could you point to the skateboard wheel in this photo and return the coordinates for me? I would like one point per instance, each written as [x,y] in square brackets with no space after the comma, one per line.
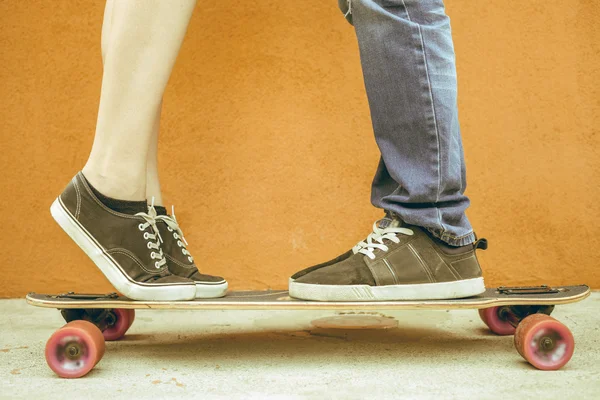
[544,342]
[491,317]
[73,350]
[123,321]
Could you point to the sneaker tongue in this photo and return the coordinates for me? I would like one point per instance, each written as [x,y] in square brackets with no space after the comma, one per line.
[389,222]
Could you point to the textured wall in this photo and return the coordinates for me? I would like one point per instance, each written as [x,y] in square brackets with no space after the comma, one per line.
[266,144]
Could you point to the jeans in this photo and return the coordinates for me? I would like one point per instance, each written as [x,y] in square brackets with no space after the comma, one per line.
[408,63]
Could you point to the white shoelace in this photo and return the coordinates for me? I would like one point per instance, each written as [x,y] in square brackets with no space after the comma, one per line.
[376,238]
[174,227]
[154,239]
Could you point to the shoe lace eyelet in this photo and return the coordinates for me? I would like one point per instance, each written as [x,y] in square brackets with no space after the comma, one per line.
[170,229]
[141,227]
[149,245]
[179,243]
[156,265]
[191,259]
[146,235]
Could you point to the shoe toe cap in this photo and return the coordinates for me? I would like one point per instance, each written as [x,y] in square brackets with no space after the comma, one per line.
[342,273]
[200,277]
[314,268]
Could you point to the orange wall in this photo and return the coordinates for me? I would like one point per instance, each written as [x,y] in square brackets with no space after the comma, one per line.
[266,143]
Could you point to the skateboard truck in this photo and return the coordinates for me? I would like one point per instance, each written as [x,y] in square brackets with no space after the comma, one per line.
[101,317]
[515,314]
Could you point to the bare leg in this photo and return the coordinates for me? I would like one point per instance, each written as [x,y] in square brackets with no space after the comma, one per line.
[106,28]
[152,181]
[141,40]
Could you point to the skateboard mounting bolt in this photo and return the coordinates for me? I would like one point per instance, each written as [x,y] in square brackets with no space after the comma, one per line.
[72,350]
[547,343]
[111,319]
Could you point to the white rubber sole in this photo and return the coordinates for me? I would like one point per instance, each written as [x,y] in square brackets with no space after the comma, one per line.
[110,268]
[420,291]
[210,291]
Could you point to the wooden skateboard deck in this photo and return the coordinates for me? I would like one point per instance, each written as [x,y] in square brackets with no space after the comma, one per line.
[73,350]
[280,300]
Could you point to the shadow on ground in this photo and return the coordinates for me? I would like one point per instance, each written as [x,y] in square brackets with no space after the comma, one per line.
[337,345]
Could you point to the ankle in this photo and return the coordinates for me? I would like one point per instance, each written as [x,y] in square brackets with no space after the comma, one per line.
[118,186]
[120,206]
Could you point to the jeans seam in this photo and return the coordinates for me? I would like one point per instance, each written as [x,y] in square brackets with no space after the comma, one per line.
[437,133]
[439,214]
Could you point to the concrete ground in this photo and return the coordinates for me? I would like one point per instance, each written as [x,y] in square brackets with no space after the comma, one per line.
[277,355]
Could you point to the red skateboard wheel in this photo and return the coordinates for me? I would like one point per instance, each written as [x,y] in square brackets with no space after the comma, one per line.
[544,342]
[73,350]
[491,318]
[124,320]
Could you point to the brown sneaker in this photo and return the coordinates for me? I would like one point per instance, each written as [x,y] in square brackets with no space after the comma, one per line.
[397,262]
[181,262]
[125,247]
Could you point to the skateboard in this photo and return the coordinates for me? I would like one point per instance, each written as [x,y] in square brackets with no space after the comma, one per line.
[73,350]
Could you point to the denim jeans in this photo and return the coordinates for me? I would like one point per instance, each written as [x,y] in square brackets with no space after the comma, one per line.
[408,63]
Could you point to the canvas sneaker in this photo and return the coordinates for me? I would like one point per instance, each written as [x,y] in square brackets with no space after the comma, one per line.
[181,263]
[397,261]
[126,248]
